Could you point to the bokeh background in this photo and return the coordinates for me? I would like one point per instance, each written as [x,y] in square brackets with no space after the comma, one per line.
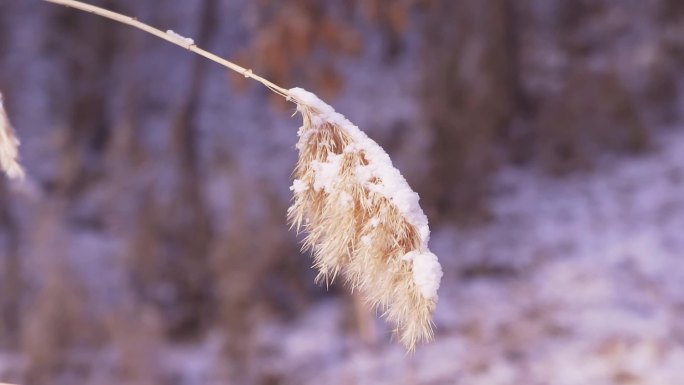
[149,243]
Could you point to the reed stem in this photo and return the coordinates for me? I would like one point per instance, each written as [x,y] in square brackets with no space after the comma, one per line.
[174,39]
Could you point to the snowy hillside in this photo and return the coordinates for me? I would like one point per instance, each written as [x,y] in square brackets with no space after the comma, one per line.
[578,282]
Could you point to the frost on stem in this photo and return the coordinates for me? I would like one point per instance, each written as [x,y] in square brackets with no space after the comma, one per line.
[9,146]
[363,220]
[180,38]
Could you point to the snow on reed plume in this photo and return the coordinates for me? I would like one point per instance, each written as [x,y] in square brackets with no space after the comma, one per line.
[362,220]
[9,146]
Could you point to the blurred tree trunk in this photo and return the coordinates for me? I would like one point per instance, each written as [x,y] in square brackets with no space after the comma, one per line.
[469,89]
[10,272]
[10,264]
[171,246]
[87,62]
[190,229]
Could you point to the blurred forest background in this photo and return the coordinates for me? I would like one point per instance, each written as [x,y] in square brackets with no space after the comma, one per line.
[149,243]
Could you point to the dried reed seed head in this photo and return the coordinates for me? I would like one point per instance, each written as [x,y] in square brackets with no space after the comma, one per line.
[362,220]
[9,146]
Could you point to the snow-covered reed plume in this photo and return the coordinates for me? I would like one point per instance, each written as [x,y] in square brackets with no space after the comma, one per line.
[9,146]
[363,220]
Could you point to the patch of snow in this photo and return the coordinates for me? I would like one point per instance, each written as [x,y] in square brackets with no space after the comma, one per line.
[427,272]
[298,186]
[327,173]
[180,38]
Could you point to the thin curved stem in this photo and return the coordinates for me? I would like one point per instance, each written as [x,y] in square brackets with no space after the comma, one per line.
[172,38]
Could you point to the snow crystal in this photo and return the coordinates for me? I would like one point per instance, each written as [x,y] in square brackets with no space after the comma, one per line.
[327,173]
[180,38]
[346,199]
[298,186]
[364,174]
[367,239]
[352,147]
[375,222]
[427,272]
[391,185]
[304,136]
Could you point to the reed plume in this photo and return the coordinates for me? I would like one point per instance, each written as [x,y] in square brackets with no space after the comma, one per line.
[9,146]
[362,220]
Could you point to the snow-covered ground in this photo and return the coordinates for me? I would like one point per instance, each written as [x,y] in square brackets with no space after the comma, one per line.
[578,281]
